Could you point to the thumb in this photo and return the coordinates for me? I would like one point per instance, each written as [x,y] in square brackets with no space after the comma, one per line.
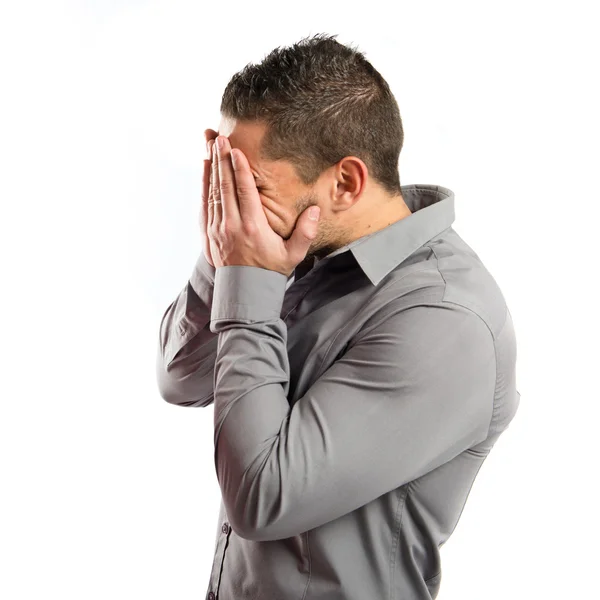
[304,233]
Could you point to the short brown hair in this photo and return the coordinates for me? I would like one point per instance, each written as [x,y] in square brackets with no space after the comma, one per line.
[321,101]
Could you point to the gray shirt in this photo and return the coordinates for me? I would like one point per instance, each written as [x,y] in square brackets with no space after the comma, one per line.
[354,404]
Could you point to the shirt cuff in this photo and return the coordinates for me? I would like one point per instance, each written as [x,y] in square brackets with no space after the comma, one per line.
[202,278]
[248,294]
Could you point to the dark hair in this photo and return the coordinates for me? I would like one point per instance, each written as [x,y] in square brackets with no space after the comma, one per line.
[321,101]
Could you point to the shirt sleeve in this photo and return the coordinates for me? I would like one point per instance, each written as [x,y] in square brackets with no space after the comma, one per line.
[409,394]
[187,347]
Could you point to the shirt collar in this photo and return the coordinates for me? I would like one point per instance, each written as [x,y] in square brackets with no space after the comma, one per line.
[378,253]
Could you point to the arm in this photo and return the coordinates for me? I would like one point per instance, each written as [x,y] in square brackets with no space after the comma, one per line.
[187,348]
[409,394]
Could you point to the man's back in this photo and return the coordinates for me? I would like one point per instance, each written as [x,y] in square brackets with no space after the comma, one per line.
[399,358]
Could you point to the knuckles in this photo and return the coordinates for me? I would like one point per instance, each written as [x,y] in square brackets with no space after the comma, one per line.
[226,186]
[249,228]
[246,190]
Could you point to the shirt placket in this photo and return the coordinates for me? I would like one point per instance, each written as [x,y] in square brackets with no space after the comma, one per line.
[295,294]
[217,568]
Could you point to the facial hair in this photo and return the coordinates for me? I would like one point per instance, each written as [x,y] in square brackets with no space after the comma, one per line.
[329,238]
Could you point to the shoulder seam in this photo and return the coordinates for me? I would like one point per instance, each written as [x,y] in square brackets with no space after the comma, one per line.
[437,266]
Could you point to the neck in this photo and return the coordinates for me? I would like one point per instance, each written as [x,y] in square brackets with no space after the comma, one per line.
[379,216]
[388,211]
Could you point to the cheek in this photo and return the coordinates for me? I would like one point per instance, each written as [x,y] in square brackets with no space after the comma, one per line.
[271,217]
[277,218]
[271,208]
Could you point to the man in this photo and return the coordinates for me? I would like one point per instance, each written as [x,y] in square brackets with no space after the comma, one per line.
[361,366]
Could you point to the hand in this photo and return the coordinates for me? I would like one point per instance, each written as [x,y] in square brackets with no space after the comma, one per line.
[238,229]
[209,135]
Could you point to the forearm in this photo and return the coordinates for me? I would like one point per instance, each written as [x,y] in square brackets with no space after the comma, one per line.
[186,352]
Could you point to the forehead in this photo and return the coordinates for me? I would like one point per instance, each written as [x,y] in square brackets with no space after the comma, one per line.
[247,137]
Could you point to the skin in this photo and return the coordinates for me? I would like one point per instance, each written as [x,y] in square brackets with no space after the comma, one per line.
[352,203]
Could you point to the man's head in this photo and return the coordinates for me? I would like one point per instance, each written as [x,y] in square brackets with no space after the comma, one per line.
[319,125]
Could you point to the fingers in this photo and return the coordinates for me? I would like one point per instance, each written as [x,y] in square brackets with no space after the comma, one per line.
[206,176]
[244,184]
[210,134]
[215,187]
[227,183]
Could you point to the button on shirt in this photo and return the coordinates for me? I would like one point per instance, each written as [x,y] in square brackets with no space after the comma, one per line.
[354,404]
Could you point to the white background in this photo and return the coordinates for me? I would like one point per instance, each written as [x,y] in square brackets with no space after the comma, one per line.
[107,491]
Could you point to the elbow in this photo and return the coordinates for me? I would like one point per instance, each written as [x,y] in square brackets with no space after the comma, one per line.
[180,400]
[253,532]
[181,390]
[166,390]
[268,532]
[253,535]
[257,515]
[172,395]
[170,399]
